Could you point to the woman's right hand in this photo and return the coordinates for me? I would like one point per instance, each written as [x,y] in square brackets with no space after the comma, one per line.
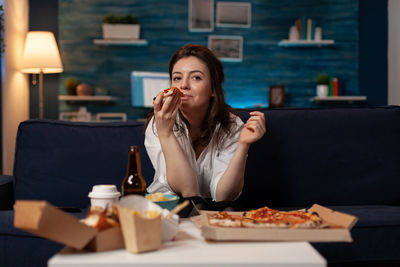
[165,113]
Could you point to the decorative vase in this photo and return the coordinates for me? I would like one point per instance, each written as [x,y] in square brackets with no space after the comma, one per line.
[322,90]
[84,89]
[121,31]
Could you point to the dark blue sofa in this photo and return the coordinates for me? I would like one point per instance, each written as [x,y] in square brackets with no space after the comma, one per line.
[345,158]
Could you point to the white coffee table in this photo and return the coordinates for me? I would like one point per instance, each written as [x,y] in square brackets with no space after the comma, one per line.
[190,249]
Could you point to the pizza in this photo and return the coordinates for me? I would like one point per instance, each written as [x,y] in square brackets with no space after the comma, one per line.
[283,219]
[169,91]
[225,219]
[102,218]
[267,218]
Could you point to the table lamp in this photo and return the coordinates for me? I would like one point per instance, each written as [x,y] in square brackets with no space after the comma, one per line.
[41,56]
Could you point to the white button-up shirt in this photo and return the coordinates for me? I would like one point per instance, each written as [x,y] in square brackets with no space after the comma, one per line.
[209,166]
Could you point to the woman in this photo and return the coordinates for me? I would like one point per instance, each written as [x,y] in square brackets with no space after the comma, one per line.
[197,146]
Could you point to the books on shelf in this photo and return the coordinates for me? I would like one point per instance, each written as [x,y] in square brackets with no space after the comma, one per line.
[306,28]
[334,92]
[335,86]
[298,27]
[312,29]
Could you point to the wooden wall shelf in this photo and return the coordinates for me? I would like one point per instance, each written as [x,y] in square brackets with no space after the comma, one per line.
[90,98]
[139,42]
[338,99]
[305,43]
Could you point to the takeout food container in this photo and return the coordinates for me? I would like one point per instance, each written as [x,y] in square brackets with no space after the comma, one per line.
[45,220]
[339,231]
[140,233]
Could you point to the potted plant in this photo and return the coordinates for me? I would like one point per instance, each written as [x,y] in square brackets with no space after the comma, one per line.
[70,85]
[322,81]
[121,27]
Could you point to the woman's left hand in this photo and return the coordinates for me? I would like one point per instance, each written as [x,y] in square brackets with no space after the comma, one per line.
[253,129]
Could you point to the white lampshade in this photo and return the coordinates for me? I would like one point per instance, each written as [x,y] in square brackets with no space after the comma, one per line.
[41,53]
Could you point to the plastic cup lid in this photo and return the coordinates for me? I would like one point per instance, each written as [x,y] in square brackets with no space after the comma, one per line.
[104,191]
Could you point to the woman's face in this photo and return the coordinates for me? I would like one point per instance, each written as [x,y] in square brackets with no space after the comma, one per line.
[192,77]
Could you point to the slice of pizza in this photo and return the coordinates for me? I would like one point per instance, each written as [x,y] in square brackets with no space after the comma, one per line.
[102,219]
[224,219]
[270,218]
[302,219]
[266,223]
[260,214]
[170,91]
[264,217]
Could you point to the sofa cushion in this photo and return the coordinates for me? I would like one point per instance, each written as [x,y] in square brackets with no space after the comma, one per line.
[27,251]
[7,225]
[60,161]
[375,237]
[373,215]
[332,156]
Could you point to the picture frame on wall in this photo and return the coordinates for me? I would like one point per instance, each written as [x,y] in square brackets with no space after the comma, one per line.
[276,96]
[226,47]
[233,14]
[145,85]
[201,15]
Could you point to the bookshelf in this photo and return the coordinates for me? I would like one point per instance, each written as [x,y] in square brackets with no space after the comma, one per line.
[305,43]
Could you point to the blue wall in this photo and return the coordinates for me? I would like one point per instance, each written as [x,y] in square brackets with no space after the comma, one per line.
[164,25]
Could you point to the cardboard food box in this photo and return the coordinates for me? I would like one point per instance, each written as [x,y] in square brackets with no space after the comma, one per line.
[339,231]
[140,234]
[45,220]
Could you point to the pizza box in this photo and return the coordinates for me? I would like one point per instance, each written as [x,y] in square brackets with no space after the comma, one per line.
[45,220]
[341,225]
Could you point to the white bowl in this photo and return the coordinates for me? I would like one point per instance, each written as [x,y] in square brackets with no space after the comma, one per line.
[170,227]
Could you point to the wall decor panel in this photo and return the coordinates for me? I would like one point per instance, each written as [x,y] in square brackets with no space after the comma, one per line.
[164,24]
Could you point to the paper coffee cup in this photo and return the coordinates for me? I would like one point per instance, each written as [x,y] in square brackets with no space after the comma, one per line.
[103,195]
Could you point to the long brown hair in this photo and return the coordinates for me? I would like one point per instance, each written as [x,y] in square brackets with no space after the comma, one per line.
[218,111]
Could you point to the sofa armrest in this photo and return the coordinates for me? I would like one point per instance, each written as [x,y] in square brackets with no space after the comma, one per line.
[6,192]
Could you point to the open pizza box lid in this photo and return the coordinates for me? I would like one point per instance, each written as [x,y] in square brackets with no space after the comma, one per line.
[341,225]
[45,220]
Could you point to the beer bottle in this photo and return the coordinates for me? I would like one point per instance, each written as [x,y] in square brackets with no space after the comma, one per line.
[133,182]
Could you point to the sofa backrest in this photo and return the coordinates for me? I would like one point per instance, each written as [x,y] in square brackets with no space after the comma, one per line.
[60,161]
[332,156]
[344,156]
